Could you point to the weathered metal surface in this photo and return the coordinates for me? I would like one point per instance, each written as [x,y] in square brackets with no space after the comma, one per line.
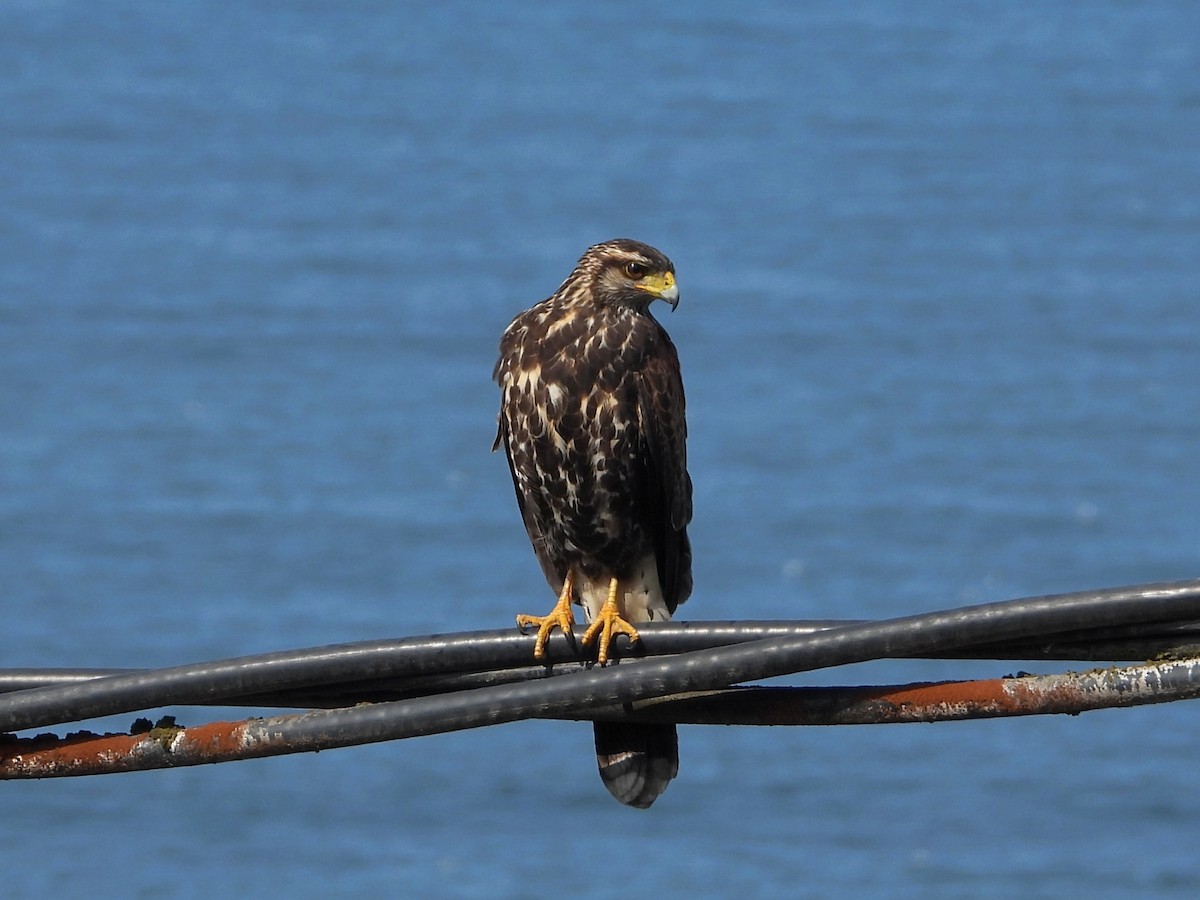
[163,746]
[1069,693]
[167,745]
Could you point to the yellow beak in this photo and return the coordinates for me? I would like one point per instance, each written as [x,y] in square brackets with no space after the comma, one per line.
[661,285]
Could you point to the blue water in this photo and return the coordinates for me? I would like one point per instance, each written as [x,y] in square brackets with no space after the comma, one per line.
[940,271]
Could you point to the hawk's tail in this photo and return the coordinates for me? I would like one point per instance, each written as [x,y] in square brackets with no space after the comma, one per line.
[636,761]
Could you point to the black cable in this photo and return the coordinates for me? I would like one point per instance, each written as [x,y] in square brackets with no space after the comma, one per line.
[1129,643]
[73,699]
[725,666]
[438,655]
[73,696]
[698,670]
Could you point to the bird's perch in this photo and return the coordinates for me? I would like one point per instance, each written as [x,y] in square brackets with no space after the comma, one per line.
[386,690]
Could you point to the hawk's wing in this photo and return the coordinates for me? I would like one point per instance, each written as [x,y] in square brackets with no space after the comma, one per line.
[554,572]
[667,487]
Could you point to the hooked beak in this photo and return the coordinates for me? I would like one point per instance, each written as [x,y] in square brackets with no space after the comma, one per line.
[662,285]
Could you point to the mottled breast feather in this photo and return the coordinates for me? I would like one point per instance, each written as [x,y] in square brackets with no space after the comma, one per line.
[592,420]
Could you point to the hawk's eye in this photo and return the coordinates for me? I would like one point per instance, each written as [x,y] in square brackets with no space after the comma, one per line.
[636,269]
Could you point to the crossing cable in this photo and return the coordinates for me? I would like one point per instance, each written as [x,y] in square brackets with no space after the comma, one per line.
[581,694]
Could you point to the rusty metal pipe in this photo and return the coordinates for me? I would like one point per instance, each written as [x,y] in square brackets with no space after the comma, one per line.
[1071,693]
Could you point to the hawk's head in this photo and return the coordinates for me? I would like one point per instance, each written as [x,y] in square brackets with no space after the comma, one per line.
[629,273]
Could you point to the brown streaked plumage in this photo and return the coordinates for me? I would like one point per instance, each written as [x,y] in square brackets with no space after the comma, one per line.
[592,422]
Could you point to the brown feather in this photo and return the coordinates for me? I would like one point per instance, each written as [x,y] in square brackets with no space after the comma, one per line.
[592,421]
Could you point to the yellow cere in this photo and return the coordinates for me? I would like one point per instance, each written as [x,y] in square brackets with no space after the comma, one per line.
[657,282]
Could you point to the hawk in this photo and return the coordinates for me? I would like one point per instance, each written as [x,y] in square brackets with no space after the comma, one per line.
[592,422]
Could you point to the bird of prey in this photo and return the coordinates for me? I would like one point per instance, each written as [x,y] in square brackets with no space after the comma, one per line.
[592,421]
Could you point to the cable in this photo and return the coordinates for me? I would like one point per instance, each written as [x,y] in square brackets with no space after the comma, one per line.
[793,647]
[1071,693]
[1128,643]
[167,745]
[676,688]
[725,666]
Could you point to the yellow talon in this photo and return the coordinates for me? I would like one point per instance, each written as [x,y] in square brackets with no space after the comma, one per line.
[561,616]
[609,623]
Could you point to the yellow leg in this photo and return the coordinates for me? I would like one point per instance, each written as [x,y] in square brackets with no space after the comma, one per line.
[609,623]
[561,616]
